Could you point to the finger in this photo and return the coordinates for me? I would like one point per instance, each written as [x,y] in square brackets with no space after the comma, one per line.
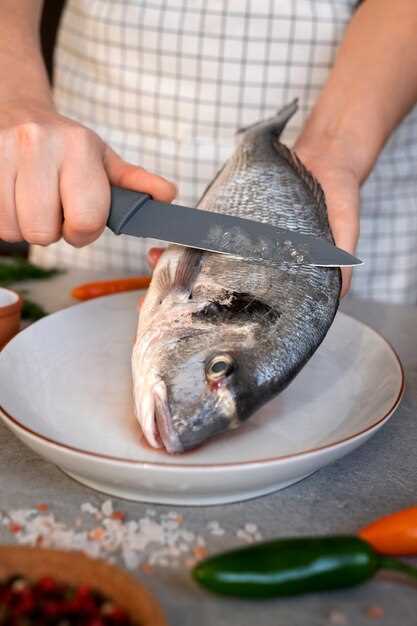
[154,254]
[124,174]
[344,224]
[85,191]
[9,226]
[38,207]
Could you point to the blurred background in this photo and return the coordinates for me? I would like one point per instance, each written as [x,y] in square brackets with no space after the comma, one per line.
[50,20]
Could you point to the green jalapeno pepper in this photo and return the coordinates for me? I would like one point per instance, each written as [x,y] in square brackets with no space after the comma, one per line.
[289,567]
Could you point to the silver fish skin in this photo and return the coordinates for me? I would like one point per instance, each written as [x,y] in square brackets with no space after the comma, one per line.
[219,336]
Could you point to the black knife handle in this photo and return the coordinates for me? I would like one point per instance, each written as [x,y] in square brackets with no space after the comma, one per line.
[124,204]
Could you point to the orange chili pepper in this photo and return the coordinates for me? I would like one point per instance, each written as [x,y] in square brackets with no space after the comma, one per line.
[394,534]
[107,287]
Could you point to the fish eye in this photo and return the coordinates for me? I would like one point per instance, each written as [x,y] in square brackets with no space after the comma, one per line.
[219,367]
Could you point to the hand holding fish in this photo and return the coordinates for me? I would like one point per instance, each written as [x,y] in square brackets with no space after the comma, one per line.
[371,87]
[340,183]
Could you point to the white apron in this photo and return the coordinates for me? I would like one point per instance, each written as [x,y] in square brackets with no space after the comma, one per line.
[167,83]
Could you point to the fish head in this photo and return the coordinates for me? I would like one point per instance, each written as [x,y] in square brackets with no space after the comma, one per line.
[203,377]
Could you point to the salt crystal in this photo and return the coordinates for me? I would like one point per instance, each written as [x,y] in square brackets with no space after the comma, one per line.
[93,550]
[186,535]
[152,530]
[241,534]
[183,547]
[251,528]
[107,508]
[86,507]
[375,612]
[171,524]
[163,540]
[337,618]
[21,516]
[131,559]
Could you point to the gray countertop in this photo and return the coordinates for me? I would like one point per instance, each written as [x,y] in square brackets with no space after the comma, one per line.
[377,478]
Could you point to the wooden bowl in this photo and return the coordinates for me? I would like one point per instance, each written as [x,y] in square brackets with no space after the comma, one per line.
[10,310]
[74,568]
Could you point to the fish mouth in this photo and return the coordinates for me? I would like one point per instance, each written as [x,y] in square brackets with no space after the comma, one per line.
[163,423]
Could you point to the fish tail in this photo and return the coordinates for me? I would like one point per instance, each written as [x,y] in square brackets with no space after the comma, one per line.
[279,120]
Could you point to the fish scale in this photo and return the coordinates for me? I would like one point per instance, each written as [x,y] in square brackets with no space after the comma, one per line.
[259,324]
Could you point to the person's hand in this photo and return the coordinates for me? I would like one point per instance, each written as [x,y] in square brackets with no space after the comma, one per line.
[55,177]
[340,182]
[333,167]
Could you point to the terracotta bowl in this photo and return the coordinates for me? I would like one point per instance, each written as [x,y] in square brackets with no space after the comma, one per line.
[10,310]
[74,568]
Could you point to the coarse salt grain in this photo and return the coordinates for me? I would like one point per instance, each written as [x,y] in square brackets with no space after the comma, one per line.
[337,618]
[97,534]
[155,540]
[200,552]
[118,515]
[241,534]
[107,508]
[86,507]
[374,612]
[251,528]
[15,528]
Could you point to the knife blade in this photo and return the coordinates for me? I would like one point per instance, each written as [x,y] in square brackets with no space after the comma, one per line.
[137,214]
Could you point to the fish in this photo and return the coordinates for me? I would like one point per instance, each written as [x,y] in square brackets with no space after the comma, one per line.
[219,336]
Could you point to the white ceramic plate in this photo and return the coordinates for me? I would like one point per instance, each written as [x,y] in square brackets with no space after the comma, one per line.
[65,391]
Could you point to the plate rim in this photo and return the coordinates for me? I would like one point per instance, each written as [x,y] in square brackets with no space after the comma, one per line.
[225,465]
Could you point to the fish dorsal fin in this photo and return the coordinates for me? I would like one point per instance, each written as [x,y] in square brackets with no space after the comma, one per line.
[300,169]
[279,120]
[179,277]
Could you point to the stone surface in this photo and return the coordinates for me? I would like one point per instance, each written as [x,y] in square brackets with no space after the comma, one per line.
[378,478]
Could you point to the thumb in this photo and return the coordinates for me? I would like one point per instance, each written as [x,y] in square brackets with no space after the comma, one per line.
[343,211]
[124,174]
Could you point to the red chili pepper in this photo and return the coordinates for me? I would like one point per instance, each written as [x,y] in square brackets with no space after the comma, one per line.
[48,601]
[108,287]
[46,585]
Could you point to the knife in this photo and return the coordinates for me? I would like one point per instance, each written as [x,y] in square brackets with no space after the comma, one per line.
[137,214]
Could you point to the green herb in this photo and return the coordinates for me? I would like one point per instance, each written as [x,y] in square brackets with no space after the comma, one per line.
[32,311]
[16,270]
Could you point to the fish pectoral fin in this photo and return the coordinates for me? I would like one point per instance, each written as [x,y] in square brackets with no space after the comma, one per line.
[182,277]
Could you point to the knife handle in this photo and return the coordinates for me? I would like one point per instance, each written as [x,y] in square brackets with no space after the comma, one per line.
[124,204]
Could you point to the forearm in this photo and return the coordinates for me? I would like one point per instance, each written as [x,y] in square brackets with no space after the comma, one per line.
[371,87]
[22,72]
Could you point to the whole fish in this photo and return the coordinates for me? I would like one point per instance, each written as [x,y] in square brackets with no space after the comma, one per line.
[219,336]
